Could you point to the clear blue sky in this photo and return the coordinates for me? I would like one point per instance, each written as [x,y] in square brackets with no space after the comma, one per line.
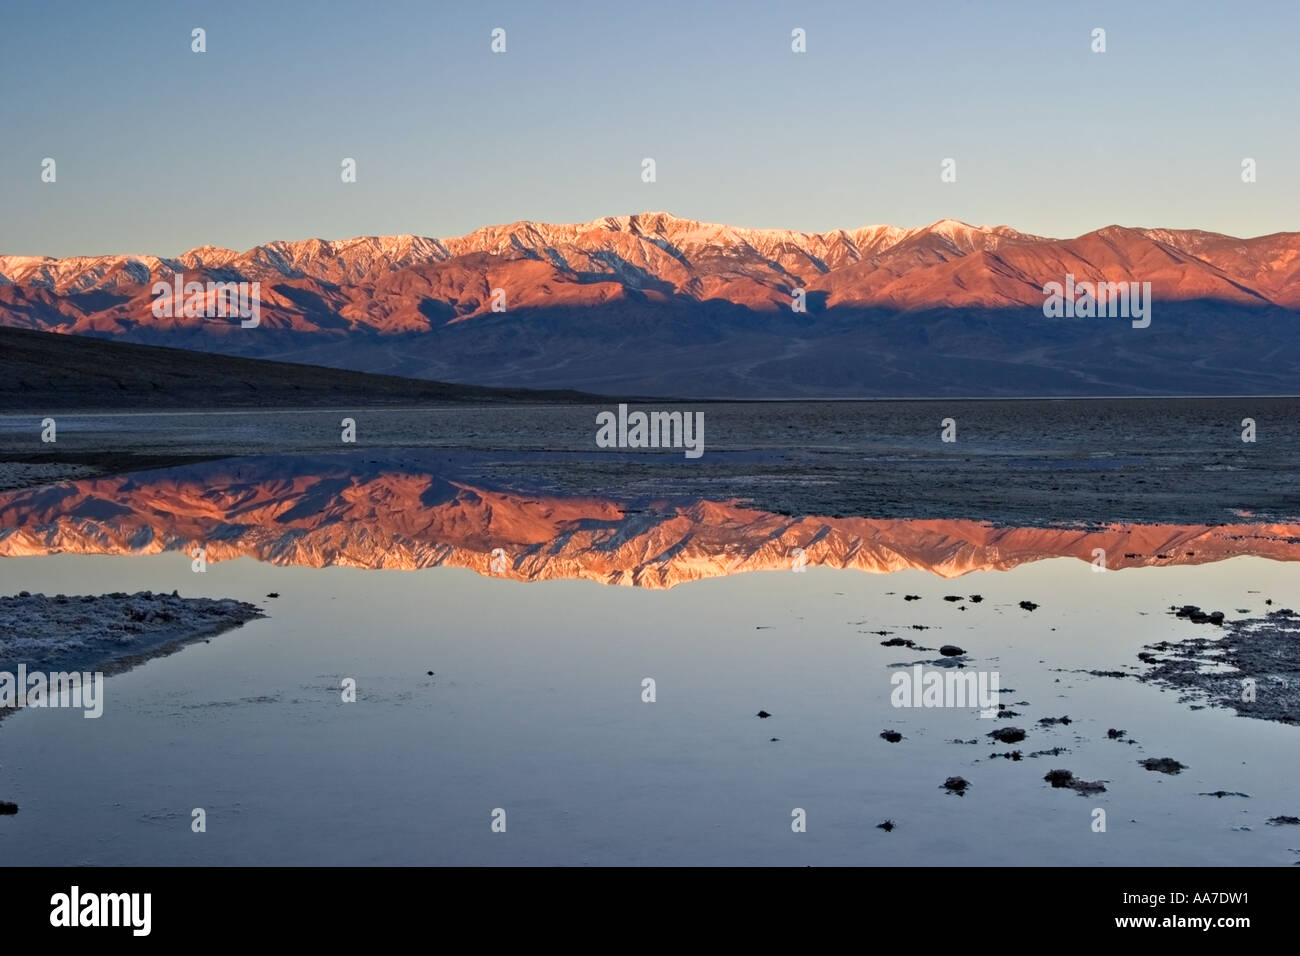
[159,149]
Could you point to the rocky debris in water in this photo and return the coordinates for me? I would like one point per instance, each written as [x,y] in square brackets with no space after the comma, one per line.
[911,597]
[1085,787]
[1029,605]
[1107,673]
[1052,721]
[957,785]
[1009,755]
[1212,670]
[1163,764]
[886,826]
[1054,752]
[1224,793]
[1005,714]
[7,809]
[1065,780]
[1273,822]
[973,740]
[951,650]
[274,594]
[920,627]
[1114,734]
[952,597]
[1194,614]
[898,642]
[1007,735]
[976,598]
[764,714]
[893,736]
[774,740]
[951,662]
[429,673]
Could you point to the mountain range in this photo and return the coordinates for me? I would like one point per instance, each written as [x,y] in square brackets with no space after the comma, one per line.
[654,304]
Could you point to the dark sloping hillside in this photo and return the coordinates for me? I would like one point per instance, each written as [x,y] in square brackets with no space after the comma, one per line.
[48,371]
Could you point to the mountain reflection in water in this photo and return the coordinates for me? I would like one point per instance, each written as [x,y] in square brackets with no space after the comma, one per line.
[406,513]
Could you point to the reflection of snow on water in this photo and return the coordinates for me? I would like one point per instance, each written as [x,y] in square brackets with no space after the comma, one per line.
[1025,462]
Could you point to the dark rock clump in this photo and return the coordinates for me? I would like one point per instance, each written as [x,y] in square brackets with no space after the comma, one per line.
[1163,765]
[1054,752]
[1007,735]
[1065,780]
[957,785]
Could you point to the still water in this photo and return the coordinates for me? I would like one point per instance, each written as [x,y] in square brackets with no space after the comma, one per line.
[536,708]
